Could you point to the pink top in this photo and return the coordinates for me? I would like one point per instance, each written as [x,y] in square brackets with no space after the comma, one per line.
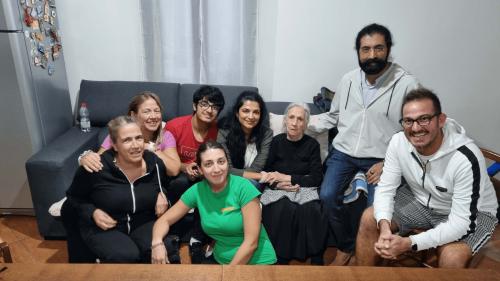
[167,141]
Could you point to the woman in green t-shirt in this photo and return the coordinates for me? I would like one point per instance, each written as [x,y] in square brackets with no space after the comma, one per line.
[229,210]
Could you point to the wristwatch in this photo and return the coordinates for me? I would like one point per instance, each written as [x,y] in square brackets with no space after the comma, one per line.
[414,247]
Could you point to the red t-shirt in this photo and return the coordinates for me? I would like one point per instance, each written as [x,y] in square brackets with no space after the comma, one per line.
[182,130]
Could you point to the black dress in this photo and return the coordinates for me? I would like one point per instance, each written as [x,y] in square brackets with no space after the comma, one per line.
[298,228]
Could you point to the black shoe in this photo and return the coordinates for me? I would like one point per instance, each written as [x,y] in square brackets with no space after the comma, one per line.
[197,253]
[282,261]
[317,260]
[173,244]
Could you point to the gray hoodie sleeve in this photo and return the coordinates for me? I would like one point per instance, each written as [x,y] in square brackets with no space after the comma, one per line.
[326,121]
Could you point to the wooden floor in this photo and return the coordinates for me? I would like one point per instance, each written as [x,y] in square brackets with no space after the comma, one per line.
[26,246]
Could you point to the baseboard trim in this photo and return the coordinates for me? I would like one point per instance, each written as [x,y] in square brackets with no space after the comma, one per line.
[17,212]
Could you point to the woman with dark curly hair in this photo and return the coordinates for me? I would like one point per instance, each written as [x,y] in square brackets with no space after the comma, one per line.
[245,134]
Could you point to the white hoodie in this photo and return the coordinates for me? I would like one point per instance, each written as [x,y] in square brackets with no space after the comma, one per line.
[453,182]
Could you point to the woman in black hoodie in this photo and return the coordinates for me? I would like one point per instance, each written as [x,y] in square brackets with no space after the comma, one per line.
[116,206]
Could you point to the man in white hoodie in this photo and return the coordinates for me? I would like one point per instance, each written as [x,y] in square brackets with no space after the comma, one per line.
[446,191]
[366,109]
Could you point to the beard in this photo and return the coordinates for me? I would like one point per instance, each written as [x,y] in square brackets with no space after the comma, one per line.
[373,66]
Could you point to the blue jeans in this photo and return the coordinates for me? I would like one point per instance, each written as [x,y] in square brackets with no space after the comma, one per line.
[340,170]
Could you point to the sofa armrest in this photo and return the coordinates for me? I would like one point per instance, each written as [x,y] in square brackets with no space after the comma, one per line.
[50,173]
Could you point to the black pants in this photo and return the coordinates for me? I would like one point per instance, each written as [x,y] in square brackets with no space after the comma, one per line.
[104,247]
[116,246]
[176,188]
[78,252]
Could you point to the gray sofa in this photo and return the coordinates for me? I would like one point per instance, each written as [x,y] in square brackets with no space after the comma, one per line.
[51,170]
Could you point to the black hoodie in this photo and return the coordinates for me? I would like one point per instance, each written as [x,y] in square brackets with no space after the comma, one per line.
[130,204]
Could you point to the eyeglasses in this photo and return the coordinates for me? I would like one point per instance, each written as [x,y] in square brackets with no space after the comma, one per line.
[423,120]
[377,49]
[205,105]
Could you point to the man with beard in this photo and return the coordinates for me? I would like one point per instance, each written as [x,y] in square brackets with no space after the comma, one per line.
[446,191]
[366,111]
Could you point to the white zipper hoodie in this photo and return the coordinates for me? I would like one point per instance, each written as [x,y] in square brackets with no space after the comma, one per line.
[453,182]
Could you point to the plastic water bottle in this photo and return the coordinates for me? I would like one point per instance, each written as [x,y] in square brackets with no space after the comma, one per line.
[84,118]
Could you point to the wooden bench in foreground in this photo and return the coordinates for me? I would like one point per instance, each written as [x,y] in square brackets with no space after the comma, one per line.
[106,272]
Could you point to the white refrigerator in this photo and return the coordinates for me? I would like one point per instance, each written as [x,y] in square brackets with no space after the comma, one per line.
[34,97]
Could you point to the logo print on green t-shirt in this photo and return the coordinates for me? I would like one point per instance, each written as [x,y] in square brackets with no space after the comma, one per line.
[227,209]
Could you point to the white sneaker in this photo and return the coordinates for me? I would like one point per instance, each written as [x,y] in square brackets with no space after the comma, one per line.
[55,209]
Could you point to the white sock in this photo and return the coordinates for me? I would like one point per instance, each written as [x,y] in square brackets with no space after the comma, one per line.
[193,240]
[209,251]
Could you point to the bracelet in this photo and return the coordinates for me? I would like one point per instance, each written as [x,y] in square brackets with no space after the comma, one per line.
[83,155]
[156,245]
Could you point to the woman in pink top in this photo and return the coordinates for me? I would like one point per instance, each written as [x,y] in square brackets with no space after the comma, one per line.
[146,109]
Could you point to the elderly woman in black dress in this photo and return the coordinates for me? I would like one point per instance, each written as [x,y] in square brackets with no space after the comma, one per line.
[291,208]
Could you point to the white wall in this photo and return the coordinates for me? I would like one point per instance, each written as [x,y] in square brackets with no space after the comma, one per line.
[102,40]
[452,46]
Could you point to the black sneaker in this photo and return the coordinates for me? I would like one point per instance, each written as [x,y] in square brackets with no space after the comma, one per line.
[197,253]
[317,260]
[172,244]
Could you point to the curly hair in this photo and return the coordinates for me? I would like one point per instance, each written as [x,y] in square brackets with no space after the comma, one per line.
[236,144]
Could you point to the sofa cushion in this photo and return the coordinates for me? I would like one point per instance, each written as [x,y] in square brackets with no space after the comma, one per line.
[103,133]
[230,94]
[108,99]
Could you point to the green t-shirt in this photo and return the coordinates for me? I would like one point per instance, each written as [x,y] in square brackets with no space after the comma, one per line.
[221,218]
